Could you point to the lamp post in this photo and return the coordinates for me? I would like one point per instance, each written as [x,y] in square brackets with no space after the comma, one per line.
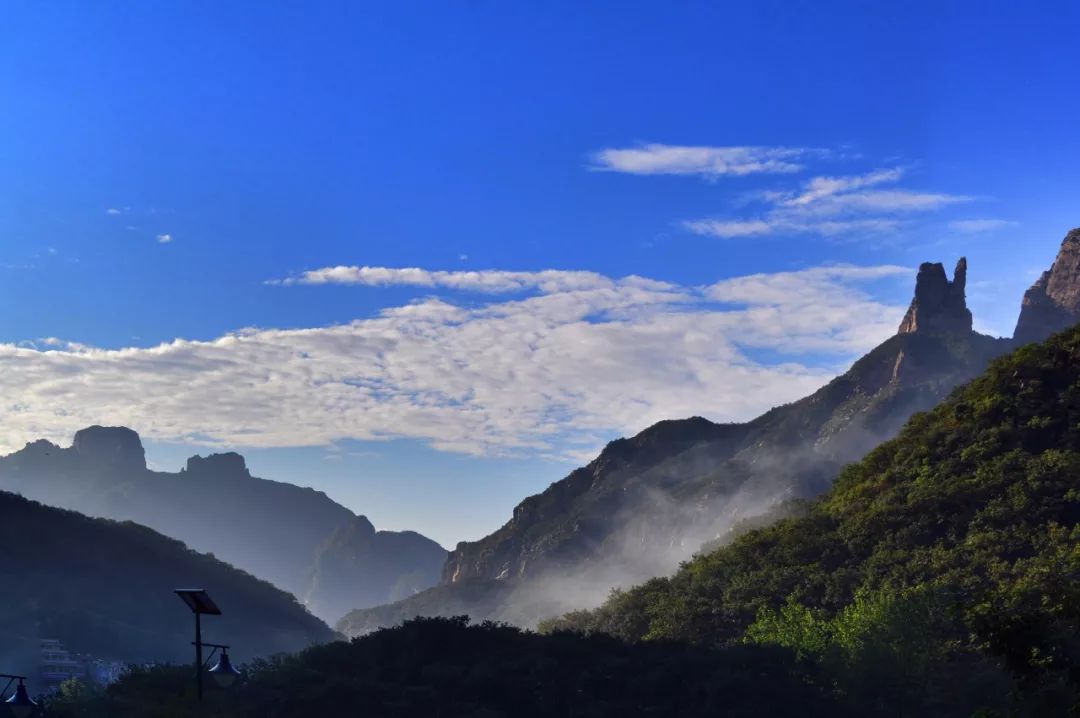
[20,703]
[201,605]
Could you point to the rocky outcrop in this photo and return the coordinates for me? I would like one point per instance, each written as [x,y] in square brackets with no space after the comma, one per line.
[225,465]
[939,305]
[1053,302]
[115,447]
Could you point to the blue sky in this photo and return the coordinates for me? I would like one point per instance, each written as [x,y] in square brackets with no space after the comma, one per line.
[187,171]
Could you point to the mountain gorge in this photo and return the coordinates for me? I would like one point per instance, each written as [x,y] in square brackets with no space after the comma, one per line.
[297,538]
[651,501]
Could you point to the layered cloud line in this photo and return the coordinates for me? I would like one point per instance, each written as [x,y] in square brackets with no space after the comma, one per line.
[703,161]
[830,206]
[553,369]
[486,282]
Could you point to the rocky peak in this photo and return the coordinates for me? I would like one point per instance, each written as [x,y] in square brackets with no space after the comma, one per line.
[115,447]
[1053,302]
[939,305]
[228,464]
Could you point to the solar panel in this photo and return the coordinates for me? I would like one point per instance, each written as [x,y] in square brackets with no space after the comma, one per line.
[198,601]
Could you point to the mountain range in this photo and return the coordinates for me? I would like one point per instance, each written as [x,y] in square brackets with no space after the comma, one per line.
[651,501]
[936,576]
[106,588]
[297,538]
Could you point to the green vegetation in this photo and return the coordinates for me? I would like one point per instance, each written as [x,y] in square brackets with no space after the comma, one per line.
[443,667]
[962,533]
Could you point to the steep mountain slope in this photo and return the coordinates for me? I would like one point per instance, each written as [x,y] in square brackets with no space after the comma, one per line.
[971,516]
[1053,302]
[277,531]
[649,502]
[106,588]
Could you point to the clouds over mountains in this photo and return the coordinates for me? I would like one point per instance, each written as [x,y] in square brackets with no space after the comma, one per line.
[534,363]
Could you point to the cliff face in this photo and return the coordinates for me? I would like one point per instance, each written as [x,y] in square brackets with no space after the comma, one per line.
[648,502]
[1053,302]
[274,530]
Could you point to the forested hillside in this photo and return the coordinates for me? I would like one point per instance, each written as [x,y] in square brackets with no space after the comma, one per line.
[106,588]
[953,551]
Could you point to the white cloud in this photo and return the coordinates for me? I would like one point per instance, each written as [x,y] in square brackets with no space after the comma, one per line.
[710,162]
[552,372]
[487,281]
[981,225]
[884,201]
[164,238]
[730,228]
[727,229]
[113,211]
[830,206]
[820,187]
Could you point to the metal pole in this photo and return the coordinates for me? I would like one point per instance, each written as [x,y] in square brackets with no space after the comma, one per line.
[198,653]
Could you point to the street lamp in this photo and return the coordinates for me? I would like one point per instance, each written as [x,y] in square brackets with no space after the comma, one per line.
[201,605]
[20,703]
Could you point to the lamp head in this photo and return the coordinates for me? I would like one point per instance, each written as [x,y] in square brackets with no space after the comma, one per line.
[20,703]
[223,672]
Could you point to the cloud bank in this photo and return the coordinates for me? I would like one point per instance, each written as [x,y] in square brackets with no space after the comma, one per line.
[553,369]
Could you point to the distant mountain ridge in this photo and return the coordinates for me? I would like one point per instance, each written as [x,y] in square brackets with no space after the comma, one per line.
[648,502]
[106,588]
[288,535]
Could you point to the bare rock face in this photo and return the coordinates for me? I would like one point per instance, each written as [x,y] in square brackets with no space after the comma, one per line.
[939,305]
[1053,302]
[229,464]
[114,447]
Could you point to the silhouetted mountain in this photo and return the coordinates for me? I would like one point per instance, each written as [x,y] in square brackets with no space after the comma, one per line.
[1053,302]
[286,534]
[106,588]
[648,502]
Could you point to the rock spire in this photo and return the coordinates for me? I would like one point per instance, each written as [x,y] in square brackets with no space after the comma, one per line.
[939,305]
